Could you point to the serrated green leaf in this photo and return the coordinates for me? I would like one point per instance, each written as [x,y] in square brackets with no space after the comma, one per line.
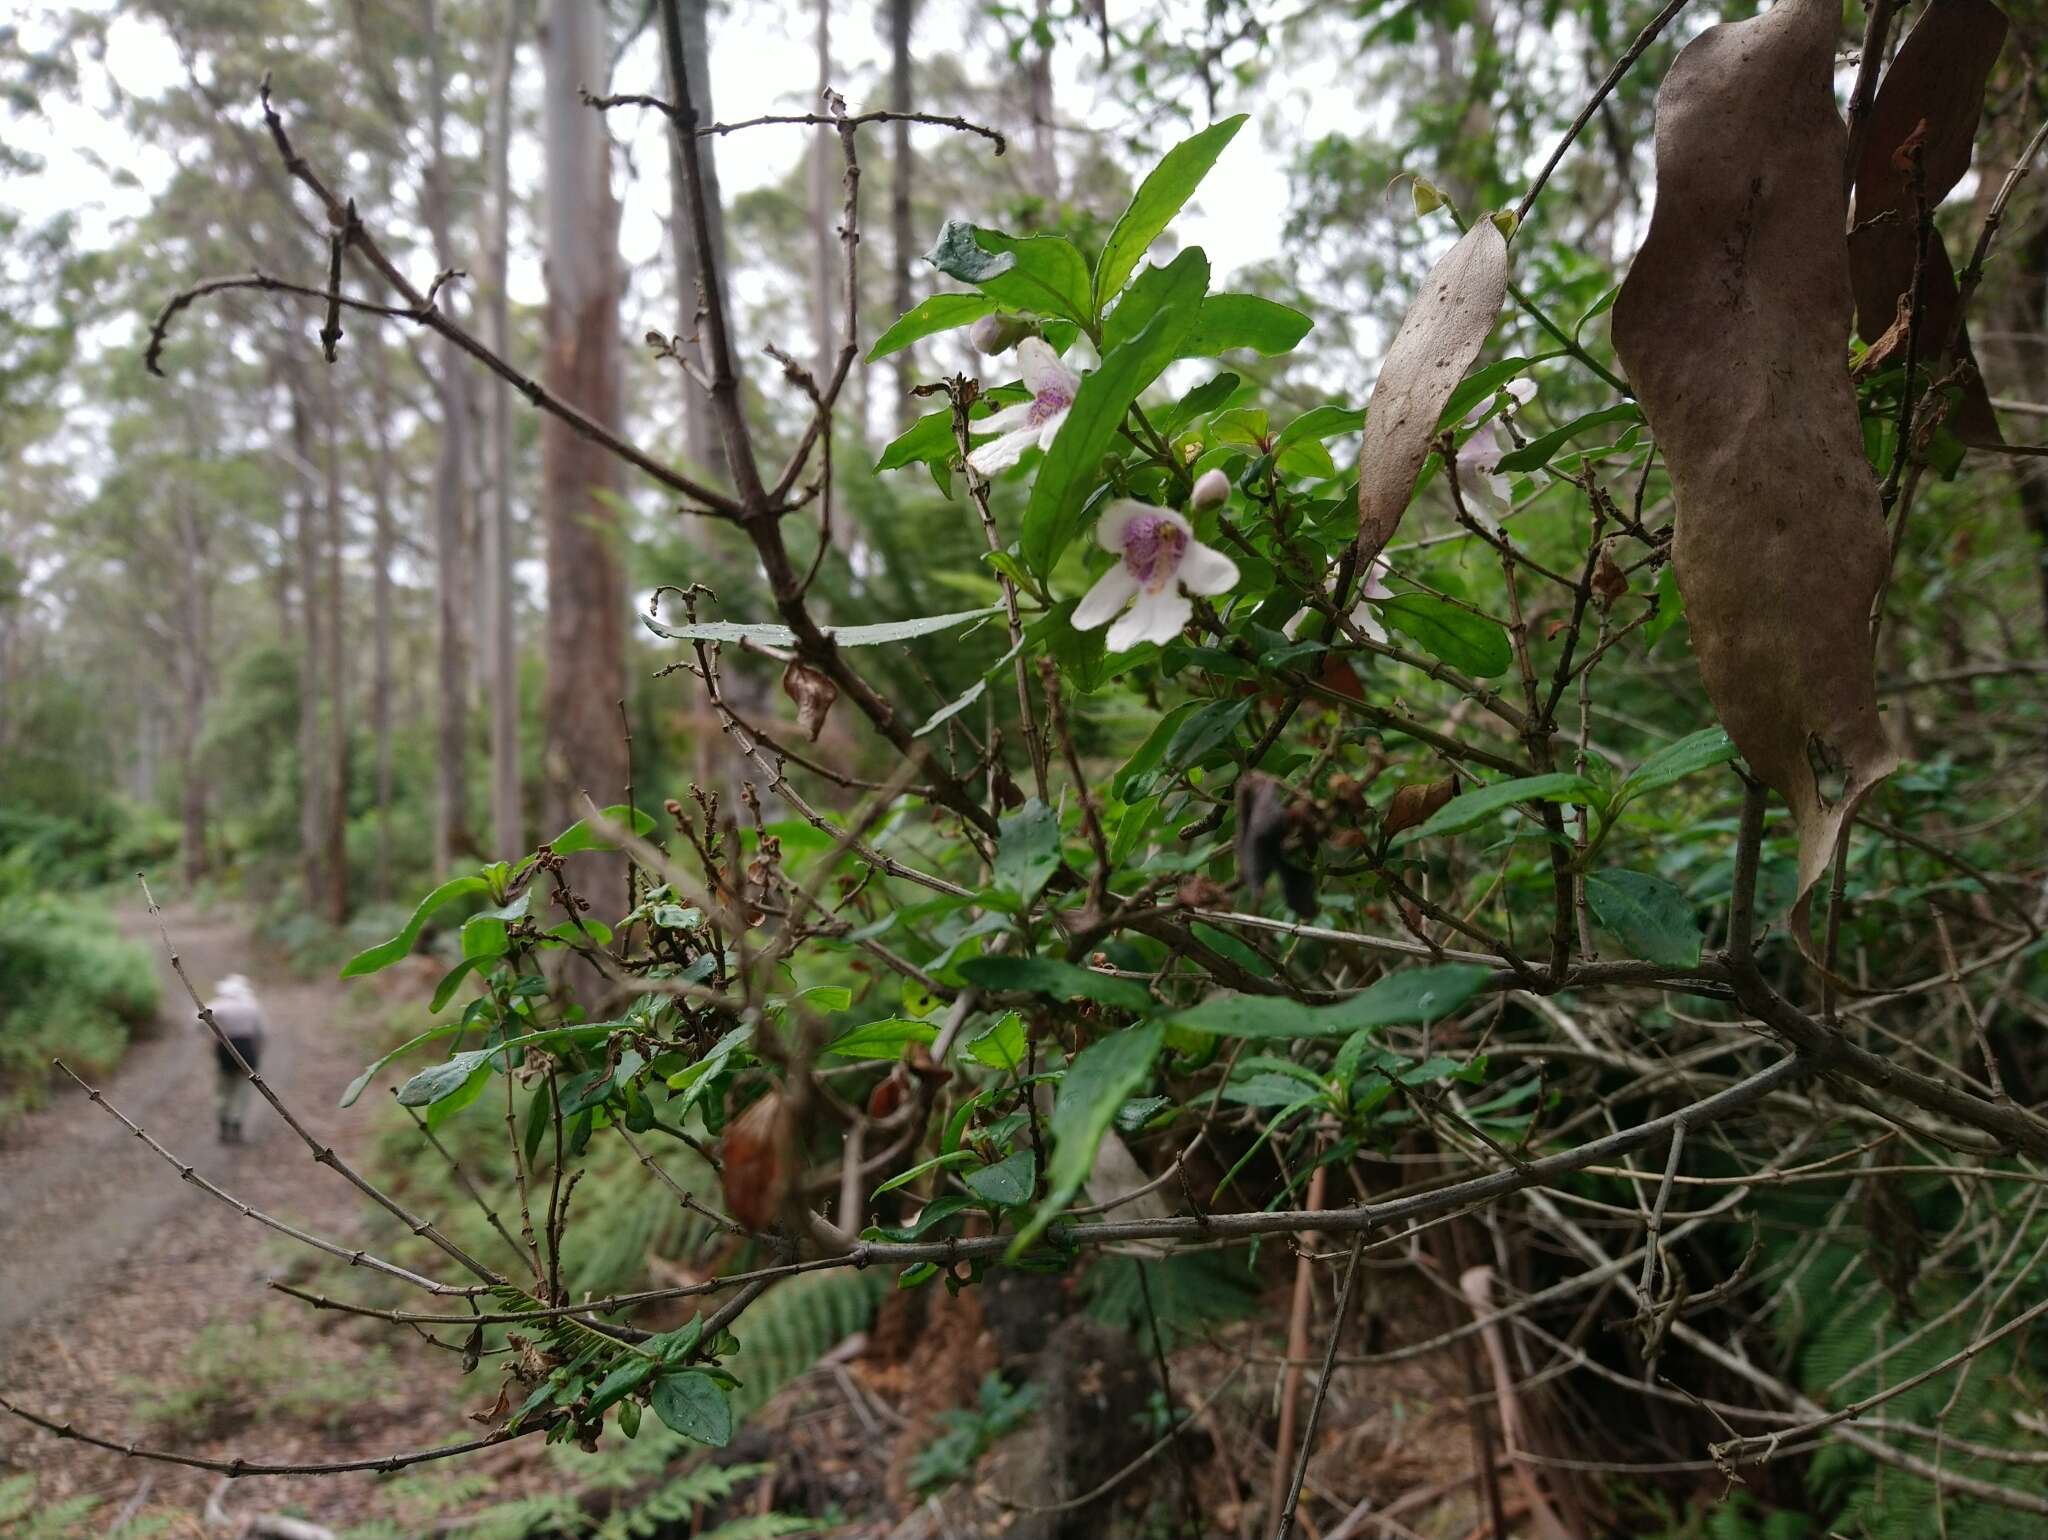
[1470,643]
[1409,995]
[1163,193]
[1100,1080]
[771,635]
[938,313]
[1002,1046]
[385,953]
[693,1405]
[1483,802]
[1070,471]
[882,1039]
[1698,751]
[1244,321]
[1653,919]
[1007,1183]
[1061,980]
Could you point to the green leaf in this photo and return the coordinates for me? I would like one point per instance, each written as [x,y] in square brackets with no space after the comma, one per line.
[1319,423]
[1007,1183]
[430,1085]
[1061,980]
[1470,643]
[1160,196]
[931,437]
[939,313]
[1072,465]
[882,1039]
[694,1405]
[1002,1046]
[1203,733]
[846,636]
[445,990]
[1100,1080]
[1027,850]
[620,1383]
[580,836]
[1481,383]
[936,1163]
[1698,751]
[1411,995]
[1535,454]
[1124,788]
[1652,918]
[1043,273]
[1244,321]
[484,937]
[1483,802]
[385,953]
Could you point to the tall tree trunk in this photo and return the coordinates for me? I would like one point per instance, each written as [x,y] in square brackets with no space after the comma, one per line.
[381,541]
[508,822]
[312,766]
[193,670]
[824,149]
[903,239]
[334,864]
[583,751]
[700,429]
[1044,143]
[451,477]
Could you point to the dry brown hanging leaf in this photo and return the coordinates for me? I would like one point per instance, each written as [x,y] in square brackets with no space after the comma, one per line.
[1733,326]
[1932,95]
[1439,338]
[755,1158]
[1415,803]
[813,693]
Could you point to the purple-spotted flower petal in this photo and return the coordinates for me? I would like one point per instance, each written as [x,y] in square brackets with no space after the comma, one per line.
[1029,424]
[1160,562]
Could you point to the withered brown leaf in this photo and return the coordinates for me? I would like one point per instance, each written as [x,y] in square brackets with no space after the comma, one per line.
[1439,338]
[1265,830]
[1733,326]
[1930,100]
[1416,803]
[755,1155]
[1609,581]
[813,693]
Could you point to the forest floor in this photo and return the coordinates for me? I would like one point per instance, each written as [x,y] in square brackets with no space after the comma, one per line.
[134,1305]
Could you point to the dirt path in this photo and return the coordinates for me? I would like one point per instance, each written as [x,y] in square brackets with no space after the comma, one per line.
[110,1266]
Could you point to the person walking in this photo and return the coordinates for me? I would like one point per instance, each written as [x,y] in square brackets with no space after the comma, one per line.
[239,1015]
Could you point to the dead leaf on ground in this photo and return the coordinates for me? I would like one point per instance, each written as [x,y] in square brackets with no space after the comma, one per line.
[1733,326]
[1931,98]
[1438,341]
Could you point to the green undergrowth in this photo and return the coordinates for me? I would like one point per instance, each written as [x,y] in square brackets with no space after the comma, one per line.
[70,987]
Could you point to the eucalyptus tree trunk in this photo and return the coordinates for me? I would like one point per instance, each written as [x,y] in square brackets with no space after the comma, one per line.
[381,618]
[700,428]
[312,765]
[508,822]
[824,149]
[584,753]
[451,489]
[193,668]
[903,239]
[334,861]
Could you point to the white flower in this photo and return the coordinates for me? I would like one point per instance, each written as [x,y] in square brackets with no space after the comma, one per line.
[1479,457]
[1362,616]
[1159,556]
[1031,423]
[1212,490]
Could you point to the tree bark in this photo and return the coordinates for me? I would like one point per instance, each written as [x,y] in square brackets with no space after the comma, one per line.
[334,863]
[381,541]
[451,477]
[903,238]
[312,765]
[583,751]
[824,148]
[700,428]
[508,821]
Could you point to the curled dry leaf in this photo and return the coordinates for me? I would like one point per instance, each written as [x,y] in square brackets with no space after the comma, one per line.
[1733,325]
[755,1156]
[1265,830]
[1438,341]
[1930,101]
[1414,804]
[813,694]
[1609,581]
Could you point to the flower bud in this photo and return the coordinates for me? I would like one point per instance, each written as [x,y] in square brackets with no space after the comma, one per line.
[1212,490]
[994,333]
